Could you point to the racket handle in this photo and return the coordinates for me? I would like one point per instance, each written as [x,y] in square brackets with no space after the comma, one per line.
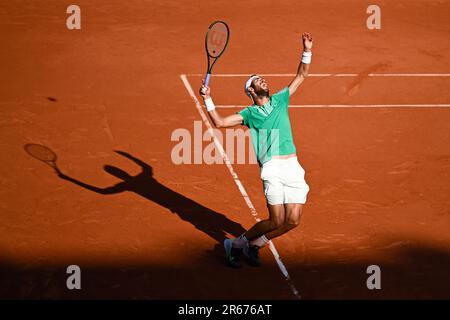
[208,76]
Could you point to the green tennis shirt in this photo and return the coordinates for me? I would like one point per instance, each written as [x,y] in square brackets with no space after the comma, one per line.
[270,127]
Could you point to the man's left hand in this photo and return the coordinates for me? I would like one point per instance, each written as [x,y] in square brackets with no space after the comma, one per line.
[307,41]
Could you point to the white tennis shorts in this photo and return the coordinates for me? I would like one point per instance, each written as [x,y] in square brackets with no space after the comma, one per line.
[284,181]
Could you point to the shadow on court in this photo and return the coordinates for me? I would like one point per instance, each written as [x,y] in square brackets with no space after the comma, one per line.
[418,272]
[214,224]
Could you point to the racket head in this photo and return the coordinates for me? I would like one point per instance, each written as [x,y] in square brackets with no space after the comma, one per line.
[216,39]
[41,153]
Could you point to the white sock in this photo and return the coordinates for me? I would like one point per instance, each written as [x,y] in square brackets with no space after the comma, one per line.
[260,242]
[240,242]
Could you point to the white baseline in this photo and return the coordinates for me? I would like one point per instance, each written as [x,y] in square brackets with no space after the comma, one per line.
[351,106]
[328,75]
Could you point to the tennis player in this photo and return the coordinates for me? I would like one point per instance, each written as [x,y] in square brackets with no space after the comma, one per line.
[282,175]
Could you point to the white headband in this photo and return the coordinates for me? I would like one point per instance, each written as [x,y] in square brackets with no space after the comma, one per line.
[249,83]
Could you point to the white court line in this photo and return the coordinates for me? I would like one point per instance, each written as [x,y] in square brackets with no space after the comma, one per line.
[328,75]
[237,181]
[351,106]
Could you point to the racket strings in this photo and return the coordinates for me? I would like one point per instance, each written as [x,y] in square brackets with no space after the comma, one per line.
[217,39]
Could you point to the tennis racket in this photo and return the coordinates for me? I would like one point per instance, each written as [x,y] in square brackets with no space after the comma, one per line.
[215,43]
[43,154]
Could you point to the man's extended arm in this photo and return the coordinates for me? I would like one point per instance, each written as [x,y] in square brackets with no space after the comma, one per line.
[119,187]
[218,120]
[303,68]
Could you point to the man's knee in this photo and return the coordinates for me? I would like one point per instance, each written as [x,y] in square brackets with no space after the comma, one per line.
[277,221]
[293,221]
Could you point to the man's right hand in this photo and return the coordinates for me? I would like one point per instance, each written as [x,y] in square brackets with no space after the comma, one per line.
[205,91]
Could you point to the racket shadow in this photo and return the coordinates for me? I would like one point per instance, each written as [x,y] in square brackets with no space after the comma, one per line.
[214,224]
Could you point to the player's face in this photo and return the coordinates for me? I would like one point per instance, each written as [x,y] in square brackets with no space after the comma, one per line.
[261,87]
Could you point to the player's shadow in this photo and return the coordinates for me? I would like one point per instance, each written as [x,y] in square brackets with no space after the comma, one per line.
[213,223]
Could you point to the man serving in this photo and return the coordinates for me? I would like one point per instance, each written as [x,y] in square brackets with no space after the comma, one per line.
[282,175]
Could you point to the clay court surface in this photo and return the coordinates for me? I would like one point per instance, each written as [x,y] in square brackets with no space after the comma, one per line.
[142,227]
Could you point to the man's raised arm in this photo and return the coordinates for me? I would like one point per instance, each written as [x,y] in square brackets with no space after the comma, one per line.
[303,68]
[218,120]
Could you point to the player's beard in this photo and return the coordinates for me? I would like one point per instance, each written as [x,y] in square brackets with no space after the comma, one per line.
[261,93]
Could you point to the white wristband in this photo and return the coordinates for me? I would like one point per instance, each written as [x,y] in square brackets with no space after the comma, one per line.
[306,57]
[209,104]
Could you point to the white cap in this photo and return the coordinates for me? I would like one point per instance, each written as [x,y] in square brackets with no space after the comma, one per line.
[249,83]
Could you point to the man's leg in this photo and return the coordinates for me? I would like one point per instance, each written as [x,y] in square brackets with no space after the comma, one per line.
[233,247]
[276,220]
[293,215]
[254,238]
[293,192]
